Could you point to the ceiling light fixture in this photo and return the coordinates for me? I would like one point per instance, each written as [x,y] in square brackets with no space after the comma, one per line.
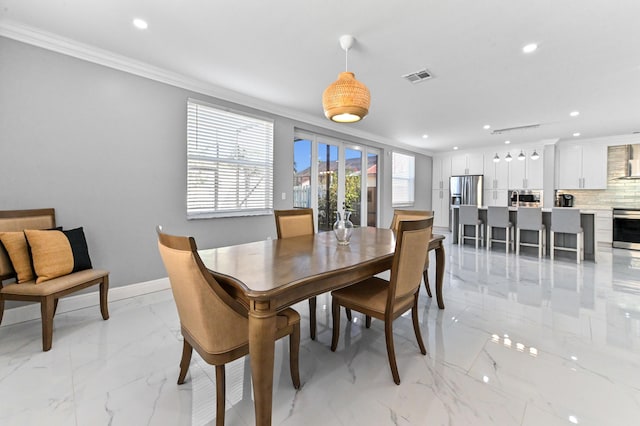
[486,127]
[576,134]
[346,100]
[141,24]
[574,113]
[496,158]
[508,157]
[455,148]
[530,48]
[521,156]
[425,136]
[507,142]
[535,155]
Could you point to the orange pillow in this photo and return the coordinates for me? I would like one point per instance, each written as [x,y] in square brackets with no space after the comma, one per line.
[56,253]
[16,245]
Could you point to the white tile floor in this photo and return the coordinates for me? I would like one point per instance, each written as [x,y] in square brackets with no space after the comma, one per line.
[521,342]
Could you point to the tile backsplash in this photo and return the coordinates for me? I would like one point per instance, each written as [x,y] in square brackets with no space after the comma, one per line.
[619,192]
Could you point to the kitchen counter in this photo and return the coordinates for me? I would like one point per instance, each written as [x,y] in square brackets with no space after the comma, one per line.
[587,221]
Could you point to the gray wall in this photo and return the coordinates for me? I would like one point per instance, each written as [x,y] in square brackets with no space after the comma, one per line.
[106,149]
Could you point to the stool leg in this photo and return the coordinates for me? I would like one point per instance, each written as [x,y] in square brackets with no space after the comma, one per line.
[460,228]
[553,244]
[540,247]
[477,236]
[517,241]
[489,233]
[507,239]
[578,244]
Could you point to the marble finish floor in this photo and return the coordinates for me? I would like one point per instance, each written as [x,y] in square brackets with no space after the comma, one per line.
[521,342]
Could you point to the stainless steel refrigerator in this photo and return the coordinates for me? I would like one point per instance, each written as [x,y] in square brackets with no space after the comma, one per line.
[466,189]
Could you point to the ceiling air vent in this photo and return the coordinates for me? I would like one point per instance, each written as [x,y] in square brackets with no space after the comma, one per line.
[514,129]
[418,76]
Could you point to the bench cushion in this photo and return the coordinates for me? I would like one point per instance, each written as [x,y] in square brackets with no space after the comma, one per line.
[55,285]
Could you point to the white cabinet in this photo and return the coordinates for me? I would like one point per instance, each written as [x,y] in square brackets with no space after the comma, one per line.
[441,172]
[467,164]
[496,197]
[527,173]
[440,201]
[496,174]
[604,226]
[581,167]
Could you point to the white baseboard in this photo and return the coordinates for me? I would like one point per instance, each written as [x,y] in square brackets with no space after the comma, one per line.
[72,303]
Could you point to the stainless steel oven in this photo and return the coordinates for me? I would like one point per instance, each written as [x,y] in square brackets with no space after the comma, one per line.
[626,228]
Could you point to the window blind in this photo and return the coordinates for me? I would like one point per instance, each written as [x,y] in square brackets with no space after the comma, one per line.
[403,179]
[229,163]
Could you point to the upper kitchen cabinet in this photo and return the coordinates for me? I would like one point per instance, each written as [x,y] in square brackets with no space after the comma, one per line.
[441,172]
[467,164]
[581,166]
[526,173]
[496,173]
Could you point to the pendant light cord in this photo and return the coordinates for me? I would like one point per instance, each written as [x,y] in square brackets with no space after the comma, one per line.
[346,59]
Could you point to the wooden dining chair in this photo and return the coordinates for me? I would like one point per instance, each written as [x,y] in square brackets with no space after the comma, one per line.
[387,300]
[294,223]
[212,322]
[399,215]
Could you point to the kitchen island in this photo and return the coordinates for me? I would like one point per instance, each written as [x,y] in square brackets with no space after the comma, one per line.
[587,221]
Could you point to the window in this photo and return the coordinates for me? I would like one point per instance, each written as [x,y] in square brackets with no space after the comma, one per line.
[229,163]
[403,177]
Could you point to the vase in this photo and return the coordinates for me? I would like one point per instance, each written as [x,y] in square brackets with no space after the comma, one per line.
[343,228]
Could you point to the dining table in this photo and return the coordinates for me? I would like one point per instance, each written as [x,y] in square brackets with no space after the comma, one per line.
[271,275]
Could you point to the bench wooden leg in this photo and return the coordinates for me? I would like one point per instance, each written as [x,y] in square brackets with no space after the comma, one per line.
[46,310]
[104,290]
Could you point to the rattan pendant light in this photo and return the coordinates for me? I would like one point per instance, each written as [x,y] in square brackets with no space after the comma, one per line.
[346,100]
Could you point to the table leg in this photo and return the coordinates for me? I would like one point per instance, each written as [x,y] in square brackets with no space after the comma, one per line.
[440,257]
[262,334]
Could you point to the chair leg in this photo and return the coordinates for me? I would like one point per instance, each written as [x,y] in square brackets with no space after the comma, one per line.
[489,233]
[46,311]
[391,353]
[312,317]
[185,361]
[220,395]
[477,236]
[460,230]
[104,293]
[540,244]
[416,326]
[367,321]
[578,245]
[425,276]
[1,308]
[348,312]
[294,355]
[517,241]
[552,241]
[507,239]
[335,313]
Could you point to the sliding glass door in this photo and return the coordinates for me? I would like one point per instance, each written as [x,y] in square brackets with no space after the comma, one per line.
[332,175]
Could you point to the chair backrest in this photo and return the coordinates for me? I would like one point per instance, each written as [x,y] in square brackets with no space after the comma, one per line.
[530,218]
[498,216]
[294,222]
[399,215]
[216,321]
[565,220]
[412,245]
[468,215]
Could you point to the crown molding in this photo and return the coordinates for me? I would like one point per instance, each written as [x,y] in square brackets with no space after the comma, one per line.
[53,42]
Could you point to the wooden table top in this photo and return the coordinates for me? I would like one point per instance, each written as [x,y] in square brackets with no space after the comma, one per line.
[264,268]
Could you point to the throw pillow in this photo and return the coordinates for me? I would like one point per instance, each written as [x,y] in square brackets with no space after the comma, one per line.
[58,253]
[16,245]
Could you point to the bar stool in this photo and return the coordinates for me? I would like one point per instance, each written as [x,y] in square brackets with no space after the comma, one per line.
[567,221]
[498,217]
[468,215]
[530,219]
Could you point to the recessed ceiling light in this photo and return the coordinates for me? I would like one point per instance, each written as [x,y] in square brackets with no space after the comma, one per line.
[140,24]
[576,134]
[531,47]
[486,127]
[425,136]
[574,113]
[507,142]
[455,148]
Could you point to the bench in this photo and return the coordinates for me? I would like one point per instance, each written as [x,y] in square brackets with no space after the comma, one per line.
[47,292]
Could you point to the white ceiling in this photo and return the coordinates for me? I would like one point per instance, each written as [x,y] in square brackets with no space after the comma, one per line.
[285,52]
